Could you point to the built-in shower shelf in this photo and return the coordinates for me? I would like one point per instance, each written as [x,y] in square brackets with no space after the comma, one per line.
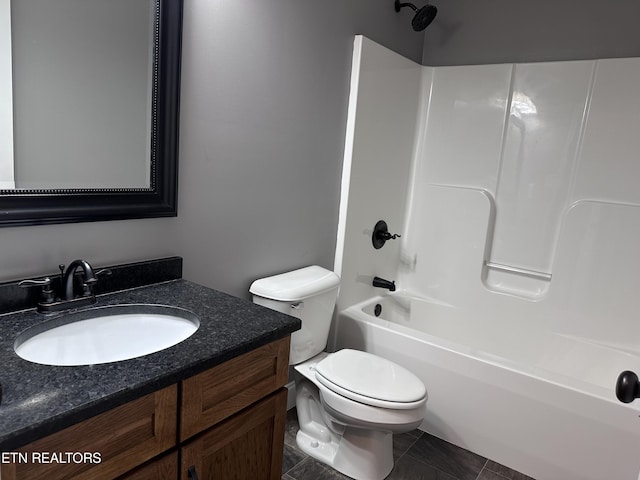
[512,280]
[519,271]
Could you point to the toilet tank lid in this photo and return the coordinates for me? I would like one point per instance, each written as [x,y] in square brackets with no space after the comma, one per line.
[296,285]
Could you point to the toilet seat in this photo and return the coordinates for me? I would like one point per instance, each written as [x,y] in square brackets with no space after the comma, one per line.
[371,380]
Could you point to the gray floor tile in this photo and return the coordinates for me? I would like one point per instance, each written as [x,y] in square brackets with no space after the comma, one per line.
[408,468]
[310,469]
[446,457]
[291,457]
[291,428]
[403,441]
[418,456]
[505,471]
[489,475]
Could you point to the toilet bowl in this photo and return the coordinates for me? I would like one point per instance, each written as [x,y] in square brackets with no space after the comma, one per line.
[349,403]
[346,429]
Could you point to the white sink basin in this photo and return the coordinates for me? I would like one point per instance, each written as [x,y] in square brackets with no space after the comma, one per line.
[106,334]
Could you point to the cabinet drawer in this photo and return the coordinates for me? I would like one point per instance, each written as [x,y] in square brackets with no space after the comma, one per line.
[218,393]
[246,446]
[123,437]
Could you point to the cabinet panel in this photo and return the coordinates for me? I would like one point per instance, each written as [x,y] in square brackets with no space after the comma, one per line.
[165,468]
[123,437]
[247,446]
[220,392]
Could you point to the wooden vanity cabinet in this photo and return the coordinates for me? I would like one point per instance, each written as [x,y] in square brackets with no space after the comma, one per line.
[124,438]
[226,389]
[246,446]
[231,422]
[245,419]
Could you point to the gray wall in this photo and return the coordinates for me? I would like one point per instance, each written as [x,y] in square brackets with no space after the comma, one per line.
[265,85]
[264,105]
[506,31]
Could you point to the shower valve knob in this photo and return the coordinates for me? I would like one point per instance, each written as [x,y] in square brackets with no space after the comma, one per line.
[381,234]
[627,387]
[388,236]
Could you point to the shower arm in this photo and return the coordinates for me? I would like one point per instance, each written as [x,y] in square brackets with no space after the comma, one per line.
[399,5]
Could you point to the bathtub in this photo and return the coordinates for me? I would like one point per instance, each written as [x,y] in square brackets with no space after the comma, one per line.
[539,402]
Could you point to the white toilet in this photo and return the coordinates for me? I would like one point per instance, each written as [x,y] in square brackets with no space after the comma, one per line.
[349,402]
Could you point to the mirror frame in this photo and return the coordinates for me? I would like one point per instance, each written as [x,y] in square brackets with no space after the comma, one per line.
[41,207]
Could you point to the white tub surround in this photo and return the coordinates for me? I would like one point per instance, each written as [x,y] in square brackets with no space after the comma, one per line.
[384,107]
[518,258]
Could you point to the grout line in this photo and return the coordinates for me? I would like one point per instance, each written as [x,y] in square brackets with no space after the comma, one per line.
[408,448]
[299,463]
[297,450]
[489,470]
[483,468]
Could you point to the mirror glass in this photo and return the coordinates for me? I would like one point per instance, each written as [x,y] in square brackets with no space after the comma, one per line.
[82,93]
[88,109]
[6,98]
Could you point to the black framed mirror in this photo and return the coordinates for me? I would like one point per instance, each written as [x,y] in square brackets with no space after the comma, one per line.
[157,195]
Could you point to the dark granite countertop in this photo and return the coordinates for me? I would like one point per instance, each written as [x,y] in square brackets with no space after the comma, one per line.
[38,400]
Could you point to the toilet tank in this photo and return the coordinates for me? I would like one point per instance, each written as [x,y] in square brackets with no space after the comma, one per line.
[309,294]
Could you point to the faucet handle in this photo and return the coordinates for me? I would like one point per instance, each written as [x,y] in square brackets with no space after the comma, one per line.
[31,282]
[89,283]
[47,293]
[87,287]
[35,282]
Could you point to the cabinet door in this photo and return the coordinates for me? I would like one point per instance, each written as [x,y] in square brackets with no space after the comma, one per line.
[123,438]
[247,446]
[218,393]
[164,468]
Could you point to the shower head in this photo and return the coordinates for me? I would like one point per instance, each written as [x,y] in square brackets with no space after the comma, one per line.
[423,17]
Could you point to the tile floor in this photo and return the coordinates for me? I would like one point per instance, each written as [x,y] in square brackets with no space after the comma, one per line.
[418,456]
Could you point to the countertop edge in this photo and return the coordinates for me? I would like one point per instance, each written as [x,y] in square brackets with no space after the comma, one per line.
[109,402]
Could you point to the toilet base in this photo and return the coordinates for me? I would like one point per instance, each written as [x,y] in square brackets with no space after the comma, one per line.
[358,453]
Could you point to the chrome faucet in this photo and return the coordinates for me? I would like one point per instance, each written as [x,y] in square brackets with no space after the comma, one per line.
[67,279]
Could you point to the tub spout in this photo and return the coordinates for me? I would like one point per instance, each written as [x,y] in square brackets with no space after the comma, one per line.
[382,283]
